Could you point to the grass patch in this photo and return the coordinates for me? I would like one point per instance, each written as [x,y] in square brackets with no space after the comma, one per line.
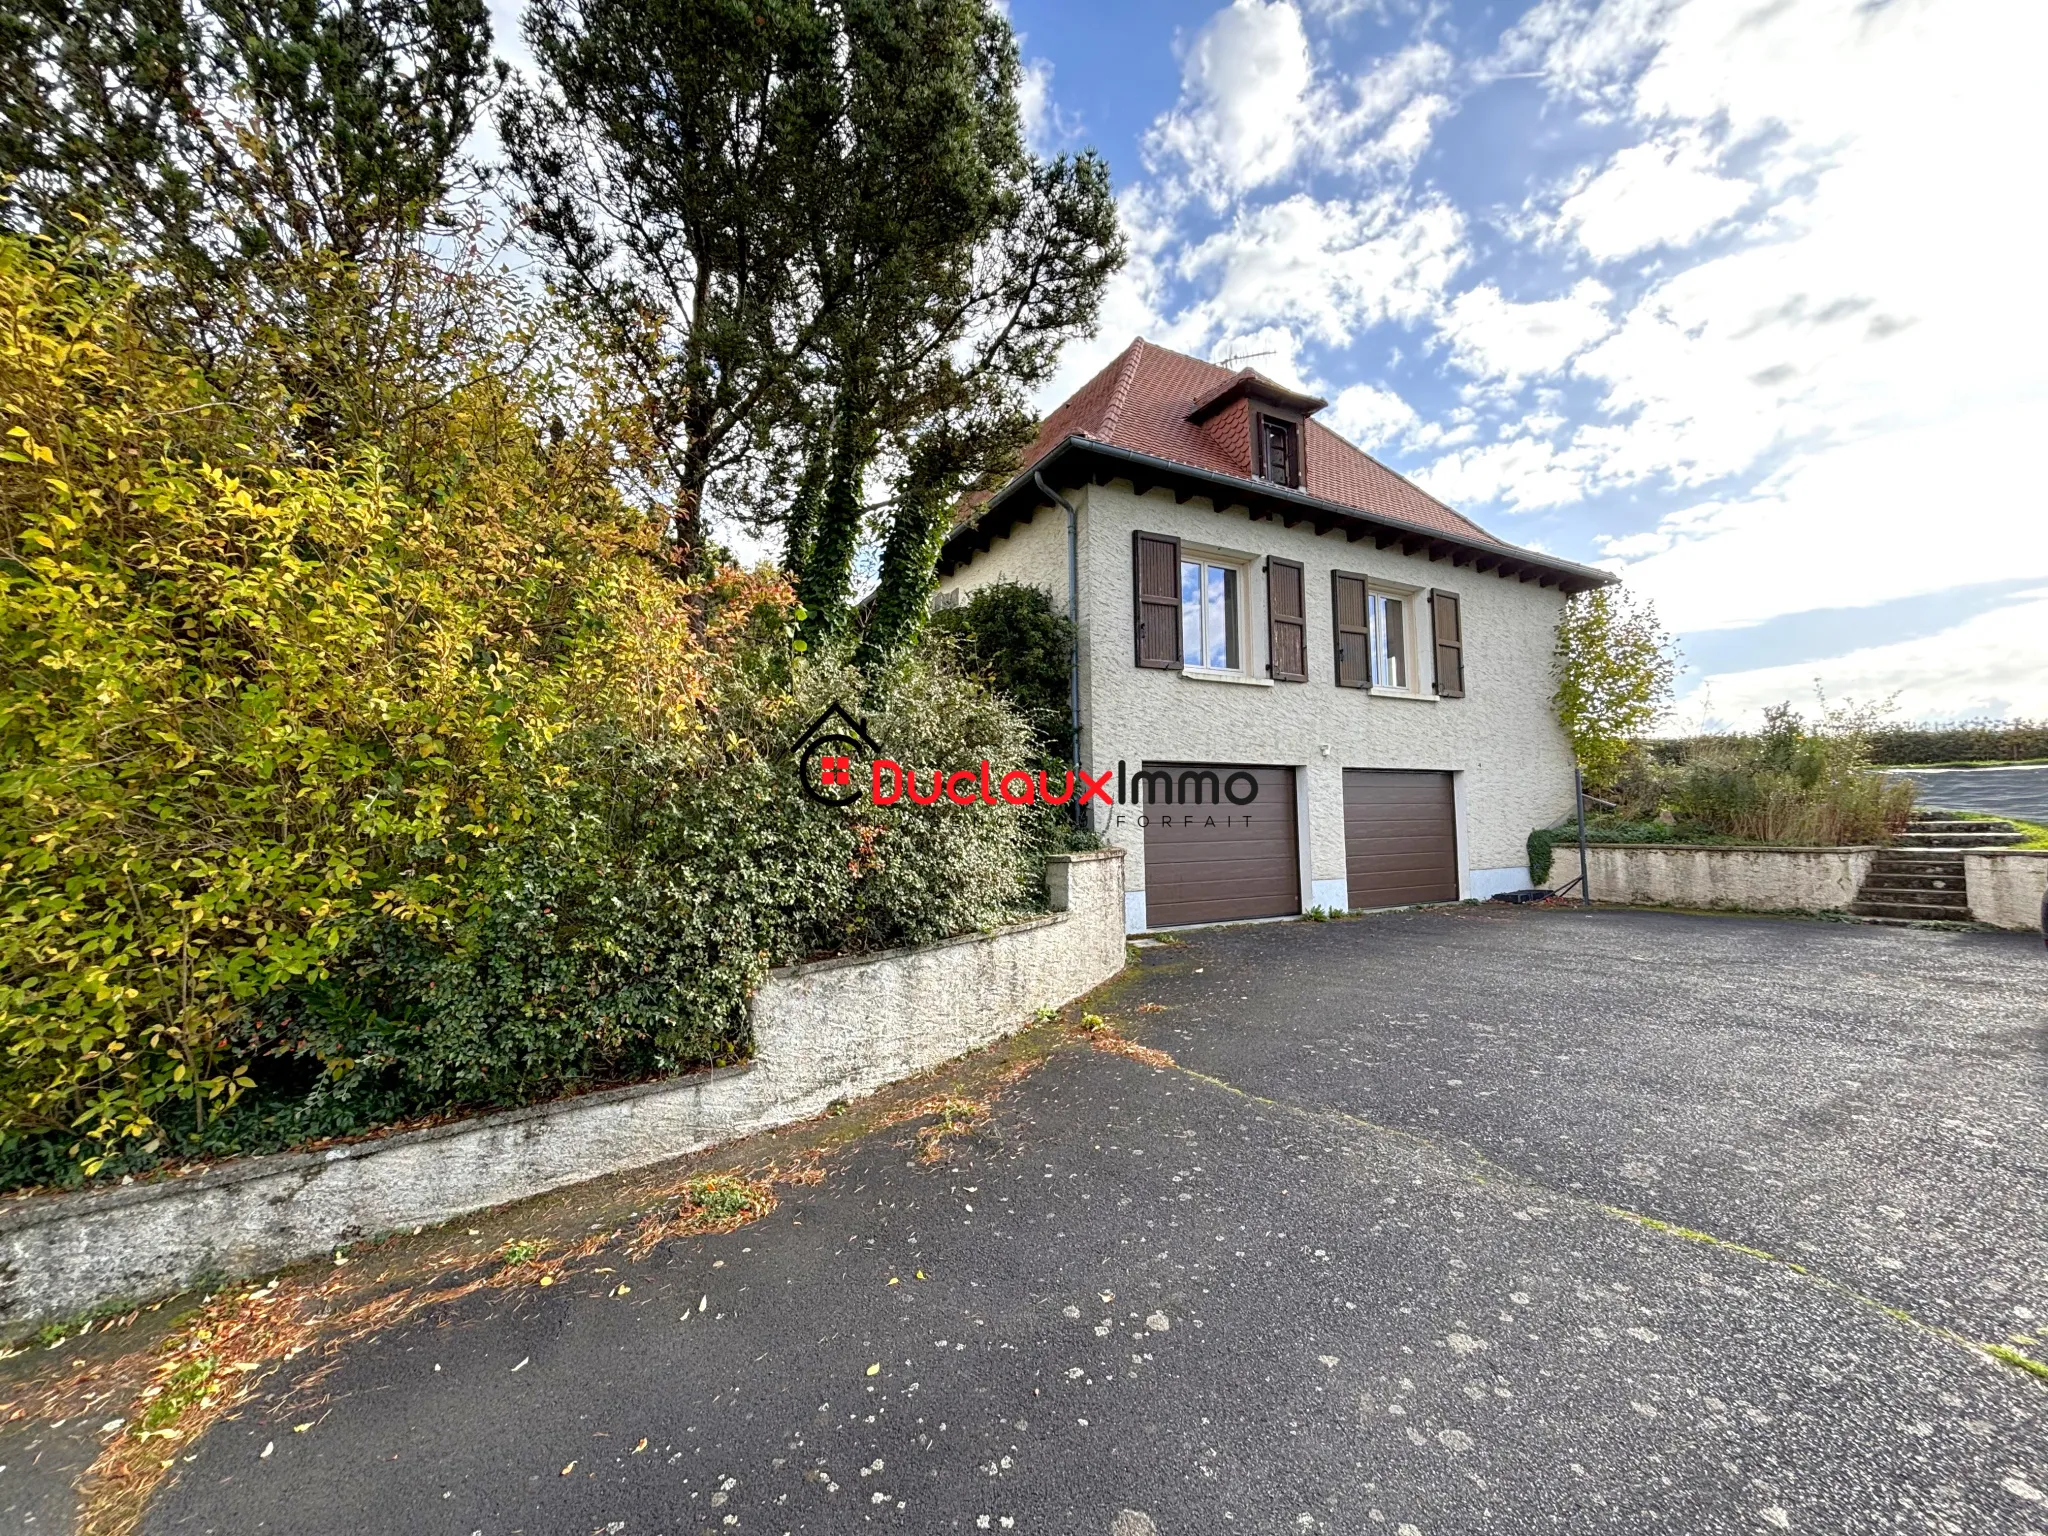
[2037,834]
[723,1197]
[2018,1359]
[1690,1236]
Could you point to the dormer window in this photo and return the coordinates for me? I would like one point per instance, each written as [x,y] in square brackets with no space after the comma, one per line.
[1279,449]
[1273,414]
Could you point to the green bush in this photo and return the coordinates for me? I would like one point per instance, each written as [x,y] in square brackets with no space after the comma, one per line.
[1014,637]
[624,935]
[247,705]
[1791,783]
[1967,741]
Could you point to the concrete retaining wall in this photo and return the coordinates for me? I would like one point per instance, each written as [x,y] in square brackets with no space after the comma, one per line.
[833,1030]
[2006,887]
[1745,879]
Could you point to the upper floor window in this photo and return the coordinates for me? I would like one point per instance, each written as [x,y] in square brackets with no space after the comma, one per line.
[1392,664]
[1279,444]
[1210,627]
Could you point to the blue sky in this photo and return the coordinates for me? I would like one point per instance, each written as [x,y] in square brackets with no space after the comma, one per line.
[1740,300]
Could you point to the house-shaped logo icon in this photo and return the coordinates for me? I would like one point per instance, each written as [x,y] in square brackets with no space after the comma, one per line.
[826,755]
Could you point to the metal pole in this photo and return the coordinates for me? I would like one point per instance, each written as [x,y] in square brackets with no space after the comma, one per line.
[1074,617]
[1579,792]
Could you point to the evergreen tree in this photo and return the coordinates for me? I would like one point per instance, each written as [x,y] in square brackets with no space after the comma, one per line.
[814,230]
[237,145]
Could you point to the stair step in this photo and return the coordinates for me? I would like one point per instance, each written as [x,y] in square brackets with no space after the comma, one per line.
[1958,839]
[1916,883]
[1865,906]
[1959,824]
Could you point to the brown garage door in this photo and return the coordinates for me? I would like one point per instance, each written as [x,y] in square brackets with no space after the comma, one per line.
[1400,838]
[1211,862]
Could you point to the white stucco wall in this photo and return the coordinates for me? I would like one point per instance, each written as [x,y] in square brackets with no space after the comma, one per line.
[2006,887]
[839,1029]
[1510,758]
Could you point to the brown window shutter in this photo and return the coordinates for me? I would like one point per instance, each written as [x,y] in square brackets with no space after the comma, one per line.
[1155,579]
[1286,621]
[1450,645]
[1354,636]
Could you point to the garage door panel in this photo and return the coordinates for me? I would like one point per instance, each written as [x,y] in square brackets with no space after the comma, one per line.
[1400,837]
[1215,863]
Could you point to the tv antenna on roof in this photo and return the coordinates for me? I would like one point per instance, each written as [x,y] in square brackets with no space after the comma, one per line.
[1239,359]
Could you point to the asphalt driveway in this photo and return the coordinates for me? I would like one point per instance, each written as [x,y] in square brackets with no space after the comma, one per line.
[1449,1221]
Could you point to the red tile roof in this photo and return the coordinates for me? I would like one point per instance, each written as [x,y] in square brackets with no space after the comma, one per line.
[1141,402]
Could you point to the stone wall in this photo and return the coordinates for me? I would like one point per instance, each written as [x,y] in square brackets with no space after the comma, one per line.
[828,1031]
[2006,886]
[1745,879]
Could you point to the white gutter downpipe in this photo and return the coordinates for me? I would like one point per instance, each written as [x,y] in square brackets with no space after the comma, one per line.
[1074,615]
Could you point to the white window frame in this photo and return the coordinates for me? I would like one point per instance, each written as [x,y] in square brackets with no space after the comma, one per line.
[1416,640]
[1242,565]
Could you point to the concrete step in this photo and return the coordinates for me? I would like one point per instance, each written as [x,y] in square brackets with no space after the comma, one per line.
[1947,839]
[1958,824]
[1937,864]
[1924,884]
[1907,911]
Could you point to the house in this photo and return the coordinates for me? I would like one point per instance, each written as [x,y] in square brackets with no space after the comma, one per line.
[1315,684]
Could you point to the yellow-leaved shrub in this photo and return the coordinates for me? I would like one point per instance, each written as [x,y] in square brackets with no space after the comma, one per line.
[249,703]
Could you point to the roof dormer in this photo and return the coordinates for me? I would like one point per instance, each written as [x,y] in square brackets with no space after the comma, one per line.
[1261,421]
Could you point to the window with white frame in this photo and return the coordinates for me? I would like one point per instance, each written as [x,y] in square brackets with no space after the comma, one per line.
[1395,655]
[1212,614]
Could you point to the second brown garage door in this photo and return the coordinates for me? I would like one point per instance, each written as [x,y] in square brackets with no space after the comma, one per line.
[1400,838]
[1212,863]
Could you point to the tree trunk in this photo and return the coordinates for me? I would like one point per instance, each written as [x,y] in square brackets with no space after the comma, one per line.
[827,582]
[806,510]
[908,559]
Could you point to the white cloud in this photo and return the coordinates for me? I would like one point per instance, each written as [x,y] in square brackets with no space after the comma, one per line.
[1665,191]
[1888,516]
[1329,267]
[1254,107]
[1495,338]
[1987,667]
[1523,474]
[1370,416]
[1583,48]
[1247,100]
[1395,111]
[1035,107]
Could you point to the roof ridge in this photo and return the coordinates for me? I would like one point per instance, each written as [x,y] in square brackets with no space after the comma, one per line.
[1122,391]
